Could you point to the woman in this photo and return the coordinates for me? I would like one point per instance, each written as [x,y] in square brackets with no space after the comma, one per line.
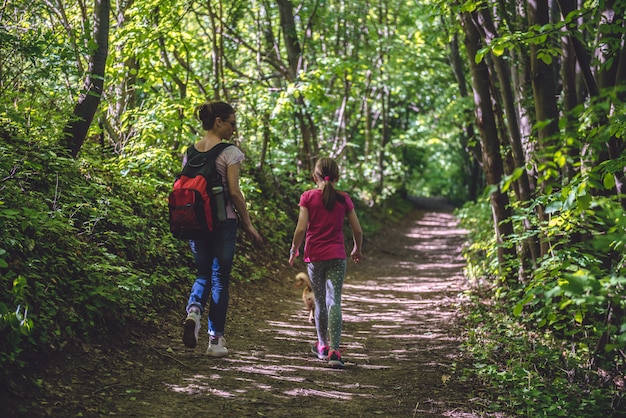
[322,212]
[214,258]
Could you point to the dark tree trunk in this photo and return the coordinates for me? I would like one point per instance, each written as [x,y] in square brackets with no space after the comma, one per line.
[543,79]
[472,157]
[308,150]
[492,160]
[76,129]
[522,189]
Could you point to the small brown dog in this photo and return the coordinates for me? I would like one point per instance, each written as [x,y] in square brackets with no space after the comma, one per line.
[302,280]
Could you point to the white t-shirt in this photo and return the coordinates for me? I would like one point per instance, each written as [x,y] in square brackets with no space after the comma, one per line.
[229,156]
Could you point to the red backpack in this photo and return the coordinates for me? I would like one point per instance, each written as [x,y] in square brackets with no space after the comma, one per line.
[197,202]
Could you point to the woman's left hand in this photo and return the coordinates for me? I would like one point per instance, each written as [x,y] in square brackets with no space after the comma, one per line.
[254,235]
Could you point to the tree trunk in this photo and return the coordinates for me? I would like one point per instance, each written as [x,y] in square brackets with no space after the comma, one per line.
[216,51]
[308,150]
[77,127]
[544,93]
[492,160]
[472,158]
[123,91]
[522,189]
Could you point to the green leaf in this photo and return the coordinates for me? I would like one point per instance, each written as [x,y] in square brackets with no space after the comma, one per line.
[480,54]
[574,285]
[546,58]
[517,310]
[498,50]
[608,181]
[553,207]
[584,201]
[578,316]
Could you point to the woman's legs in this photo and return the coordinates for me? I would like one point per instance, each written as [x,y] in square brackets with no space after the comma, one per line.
[214,259]
[220,278]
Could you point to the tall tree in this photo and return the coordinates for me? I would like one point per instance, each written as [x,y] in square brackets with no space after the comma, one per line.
[506,97]
[77,127]
[486,122]
[309,148]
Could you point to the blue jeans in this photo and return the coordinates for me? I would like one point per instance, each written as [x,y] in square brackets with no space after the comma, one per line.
[214,261]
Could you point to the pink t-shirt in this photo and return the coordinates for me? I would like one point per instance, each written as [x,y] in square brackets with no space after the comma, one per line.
[324,234]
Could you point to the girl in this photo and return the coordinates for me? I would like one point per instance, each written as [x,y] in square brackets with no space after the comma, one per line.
[214,257]
[322,211]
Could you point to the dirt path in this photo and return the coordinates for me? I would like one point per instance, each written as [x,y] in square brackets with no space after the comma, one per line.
[399,335]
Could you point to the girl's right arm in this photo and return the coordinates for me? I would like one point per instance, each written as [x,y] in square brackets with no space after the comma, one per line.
[298,234]
[357,236]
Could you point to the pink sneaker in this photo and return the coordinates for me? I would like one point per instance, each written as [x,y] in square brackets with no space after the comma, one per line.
[321,351]
[334,360]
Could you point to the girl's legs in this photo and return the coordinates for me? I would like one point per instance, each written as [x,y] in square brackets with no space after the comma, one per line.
[214,260]
[334,284]
[317,277]
[327,281]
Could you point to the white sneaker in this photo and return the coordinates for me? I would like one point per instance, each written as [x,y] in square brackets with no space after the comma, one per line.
[192,327]
[217,348]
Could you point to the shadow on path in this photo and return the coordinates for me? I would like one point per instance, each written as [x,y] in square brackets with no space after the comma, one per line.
[400,339]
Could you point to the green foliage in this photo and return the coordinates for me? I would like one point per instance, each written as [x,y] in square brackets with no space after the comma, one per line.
[480,253]
[534,373]
[14,325]
[82,255]
[548,344]
[34,58]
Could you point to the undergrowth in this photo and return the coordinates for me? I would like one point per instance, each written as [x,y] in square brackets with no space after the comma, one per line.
[552,345]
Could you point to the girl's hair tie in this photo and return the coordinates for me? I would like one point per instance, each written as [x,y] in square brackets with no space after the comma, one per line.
[326,178]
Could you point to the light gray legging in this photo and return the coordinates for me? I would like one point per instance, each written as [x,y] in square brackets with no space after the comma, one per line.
[327,281]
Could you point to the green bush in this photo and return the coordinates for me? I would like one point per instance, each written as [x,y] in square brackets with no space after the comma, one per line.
[85,252]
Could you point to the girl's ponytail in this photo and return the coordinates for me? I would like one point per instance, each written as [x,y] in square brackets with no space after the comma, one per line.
[326,170]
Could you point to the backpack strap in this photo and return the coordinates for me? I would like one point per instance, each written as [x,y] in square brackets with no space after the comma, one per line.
[196,159]
[203,162]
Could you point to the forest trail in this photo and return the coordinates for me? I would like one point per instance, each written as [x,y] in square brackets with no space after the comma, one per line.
[400,336]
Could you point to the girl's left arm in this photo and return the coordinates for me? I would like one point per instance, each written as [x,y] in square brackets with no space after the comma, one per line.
[357,236]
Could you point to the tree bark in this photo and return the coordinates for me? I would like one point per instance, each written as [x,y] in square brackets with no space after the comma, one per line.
[309,149]
[544,93]
[77,127]
[522,184]
[492,160]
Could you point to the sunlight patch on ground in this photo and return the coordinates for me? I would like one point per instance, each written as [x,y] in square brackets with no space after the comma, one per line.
[421,234]
[198,388]
[320,393]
